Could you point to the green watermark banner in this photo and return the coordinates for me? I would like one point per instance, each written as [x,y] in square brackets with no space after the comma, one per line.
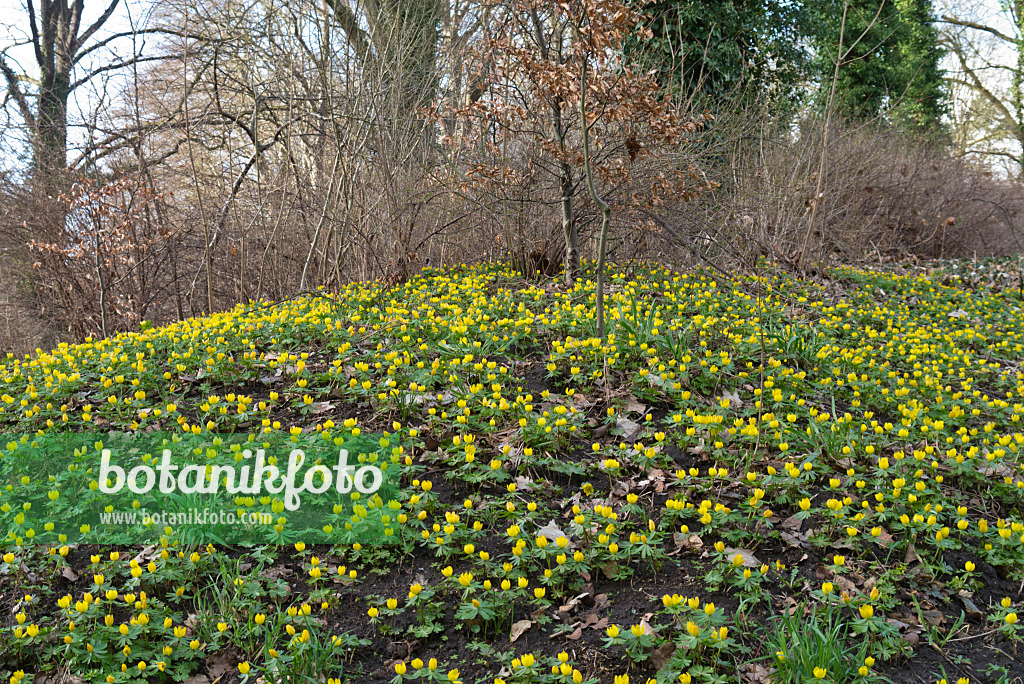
[154,487]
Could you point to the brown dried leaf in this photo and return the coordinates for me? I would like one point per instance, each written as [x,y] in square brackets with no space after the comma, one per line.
[749,560]
[219,664]
[633,405]
[690,542]
[518,629]
[662,654]
[793,523]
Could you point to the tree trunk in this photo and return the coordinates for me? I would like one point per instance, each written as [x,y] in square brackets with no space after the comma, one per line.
[55,45]
[567,188]
[572,247]
[606,210]
[51,134]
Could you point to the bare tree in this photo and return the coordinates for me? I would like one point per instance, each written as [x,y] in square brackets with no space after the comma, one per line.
[988,50]
[69,56]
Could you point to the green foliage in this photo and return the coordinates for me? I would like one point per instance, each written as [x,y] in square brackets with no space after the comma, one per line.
[749,50]
[891,65]
[721,50]
[818,647]
[870,419]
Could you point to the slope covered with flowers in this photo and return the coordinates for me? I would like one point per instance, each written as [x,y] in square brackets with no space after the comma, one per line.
[771,476]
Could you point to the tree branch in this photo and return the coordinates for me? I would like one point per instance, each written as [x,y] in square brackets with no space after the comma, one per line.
[107,13]
[349,23]
[976,85]
[138,59]
[35,30]
[141,32]
[978,27]
[14,90]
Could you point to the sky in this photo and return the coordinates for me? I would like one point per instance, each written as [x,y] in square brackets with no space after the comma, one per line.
[14,28]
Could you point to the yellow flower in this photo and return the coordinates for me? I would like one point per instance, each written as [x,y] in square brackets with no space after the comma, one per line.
[243,667]
[820,672]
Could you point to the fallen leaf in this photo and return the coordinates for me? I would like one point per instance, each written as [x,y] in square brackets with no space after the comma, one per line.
[755,673]
[582,400]
[1000,471]
[627,429]
[749,560]
[648,629]
[219,664]
[571,603]
[734,399]
[844,584]
[793,523]
[633,405]
[523,483]
[795,540]
[971,609]
[553,532]
[691,542]
[518,629]
[662,654]
[68,573]
[911,555]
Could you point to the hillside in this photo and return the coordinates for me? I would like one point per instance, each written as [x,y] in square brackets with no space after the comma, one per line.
[818,478]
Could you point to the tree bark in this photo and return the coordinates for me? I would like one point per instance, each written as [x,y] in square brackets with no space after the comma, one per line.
[606,210]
